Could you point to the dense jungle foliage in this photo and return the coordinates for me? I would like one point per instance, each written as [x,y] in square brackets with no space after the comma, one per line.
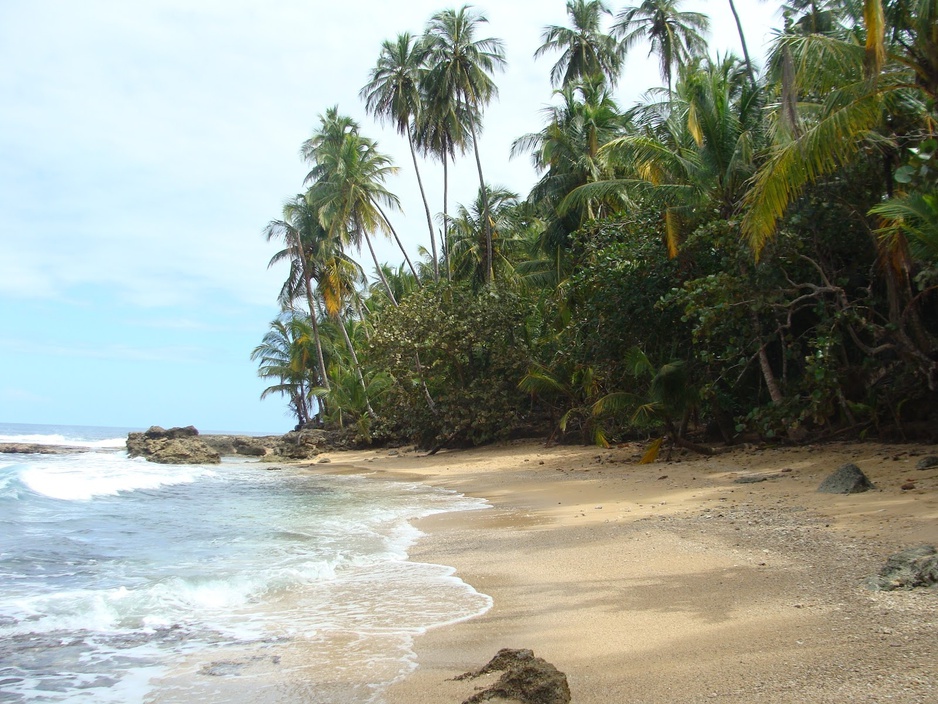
[749,252]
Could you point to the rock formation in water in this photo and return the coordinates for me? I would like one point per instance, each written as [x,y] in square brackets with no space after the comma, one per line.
[173,446]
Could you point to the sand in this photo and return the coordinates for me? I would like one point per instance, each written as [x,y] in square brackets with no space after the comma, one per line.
[672,582]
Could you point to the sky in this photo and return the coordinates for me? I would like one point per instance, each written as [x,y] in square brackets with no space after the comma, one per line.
[145,145]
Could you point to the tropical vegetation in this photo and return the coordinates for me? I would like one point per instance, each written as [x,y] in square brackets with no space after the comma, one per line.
[750,252]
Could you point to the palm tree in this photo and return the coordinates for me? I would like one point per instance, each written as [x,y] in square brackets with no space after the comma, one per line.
[470,261]
[567,154]
[393,94]
[347,180]
[442,130]
[460,70]
[300,229]
[673,35]
[285,354]
[585,49]
[693,153]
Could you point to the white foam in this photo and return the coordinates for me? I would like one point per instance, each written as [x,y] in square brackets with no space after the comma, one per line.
[63,440]
[83,477]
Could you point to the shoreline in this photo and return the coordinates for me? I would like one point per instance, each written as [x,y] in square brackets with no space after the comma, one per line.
[673,582]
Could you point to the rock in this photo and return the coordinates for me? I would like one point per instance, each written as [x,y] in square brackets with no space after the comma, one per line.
[526,679]
[301,445]
[849,479]
[324,460]
[927,462]
[24,448]
[173,446]
[915,567]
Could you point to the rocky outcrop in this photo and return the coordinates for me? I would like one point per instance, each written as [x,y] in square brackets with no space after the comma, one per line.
[173,446]
[525,678]
[849,479]
[24,448]
[915,567]
[243,445]
[300,445]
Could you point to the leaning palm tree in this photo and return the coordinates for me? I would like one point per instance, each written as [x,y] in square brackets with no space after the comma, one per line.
[347,183]
[673,35]
[460,69]
[302,233]
[585,49]
[393,94]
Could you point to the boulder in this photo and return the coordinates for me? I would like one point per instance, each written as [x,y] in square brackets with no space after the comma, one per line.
[525,678]
[173,446]
[915,567]
[849,479]
[927,462]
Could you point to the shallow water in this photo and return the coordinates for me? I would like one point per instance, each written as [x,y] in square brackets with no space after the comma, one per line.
[125,581]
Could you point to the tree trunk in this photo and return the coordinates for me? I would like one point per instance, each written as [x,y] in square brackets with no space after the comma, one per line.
[446,252]
[771,383]
[312,319]
[426,206]
[398,240]
[358,367]
[384,280]
[489,270]
[742,39]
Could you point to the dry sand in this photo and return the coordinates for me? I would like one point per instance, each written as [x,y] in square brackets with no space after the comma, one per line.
[671,582]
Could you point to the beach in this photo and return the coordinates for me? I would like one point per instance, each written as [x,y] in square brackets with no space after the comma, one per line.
[700,579]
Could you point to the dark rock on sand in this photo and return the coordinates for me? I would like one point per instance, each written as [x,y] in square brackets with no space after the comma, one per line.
[173,446]
[849,479]
[525,678]
[915,567]
[927,462]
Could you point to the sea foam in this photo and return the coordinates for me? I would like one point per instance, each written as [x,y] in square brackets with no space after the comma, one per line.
[83,477]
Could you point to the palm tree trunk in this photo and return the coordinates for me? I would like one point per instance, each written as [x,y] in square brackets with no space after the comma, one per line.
[742,39]
[489,270]
[384,280]
[358,367]
[312,320]
[398,240]
[426,206]
[449,266]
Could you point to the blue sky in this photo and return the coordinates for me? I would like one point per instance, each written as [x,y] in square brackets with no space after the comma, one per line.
[143,147]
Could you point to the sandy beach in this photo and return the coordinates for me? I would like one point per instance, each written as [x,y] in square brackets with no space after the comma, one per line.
[674,582]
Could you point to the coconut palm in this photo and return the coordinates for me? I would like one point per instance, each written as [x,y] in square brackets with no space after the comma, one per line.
[347,183]
[393,94]
[469,237]
[567,154]
[460,71]
[585,49]
[693,153]
[442,131]
[286,354]
[300,230]
[673,35]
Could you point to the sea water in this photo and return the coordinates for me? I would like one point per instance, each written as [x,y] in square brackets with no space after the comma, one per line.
[126,581]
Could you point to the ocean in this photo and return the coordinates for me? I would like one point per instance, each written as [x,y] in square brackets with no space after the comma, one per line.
[126,581]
